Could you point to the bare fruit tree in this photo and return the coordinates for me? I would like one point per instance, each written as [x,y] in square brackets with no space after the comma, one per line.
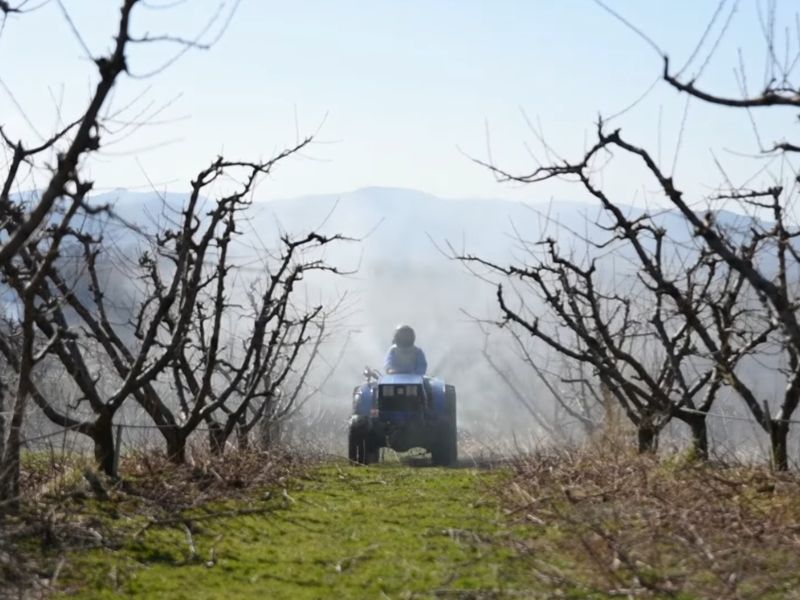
[166,349]
[643,344]
[27,224]
[735,296]
[36,224]
[231,382]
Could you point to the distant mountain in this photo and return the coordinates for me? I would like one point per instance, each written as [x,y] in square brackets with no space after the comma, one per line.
[407,226]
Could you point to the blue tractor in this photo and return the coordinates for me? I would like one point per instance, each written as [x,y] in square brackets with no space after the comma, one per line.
[402,411]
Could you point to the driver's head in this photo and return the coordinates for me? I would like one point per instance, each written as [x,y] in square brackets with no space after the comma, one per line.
[404,336]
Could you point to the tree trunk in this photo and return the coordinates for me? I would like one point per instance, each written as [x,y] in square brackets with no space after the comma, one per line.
[699,428]
[270,433]
[10,466]
[242,437]
[779,431]
[216,438]
[103,438]
[648,437]
[2,420]
[176,447]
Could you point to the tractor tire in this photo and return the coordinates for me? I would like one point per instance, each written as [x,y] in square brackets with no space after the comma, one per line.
[360,449]
[373,455]
[445,449]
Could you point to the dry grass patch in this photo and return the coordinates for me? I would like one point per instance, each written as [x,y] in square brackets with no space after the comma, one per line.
[632,525]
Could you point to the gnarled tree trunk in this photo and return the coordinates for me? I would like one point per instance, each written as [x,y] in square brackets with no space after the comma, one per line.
[216,438]
[778,434]
[102,434]
[700,437]
[647,435]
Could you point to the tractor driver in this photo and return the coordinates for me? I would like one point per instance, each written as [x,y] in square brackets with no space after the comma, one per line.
[404,356]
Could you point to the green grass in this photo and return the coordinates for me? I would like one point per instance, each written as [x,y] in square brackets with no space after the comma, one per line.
[582,524]
[343,532]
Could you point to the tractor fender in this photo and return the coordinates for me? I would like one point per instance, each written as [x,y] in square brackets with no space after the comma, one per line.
[364,399]
[437,387]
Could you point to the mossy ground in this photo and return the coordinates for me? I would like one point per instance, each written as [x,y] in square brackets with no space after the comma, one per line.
[340,532]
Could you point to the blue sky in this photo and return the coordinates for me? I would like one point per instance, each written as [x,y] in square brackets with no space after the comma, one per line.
[403,93]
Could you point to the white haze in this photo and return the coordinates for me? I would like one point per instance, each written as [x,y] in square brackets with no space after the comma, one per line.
[404,273]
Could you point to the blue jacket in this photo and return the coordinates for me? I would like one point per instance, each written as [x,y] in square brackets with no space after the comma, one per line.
[405,360]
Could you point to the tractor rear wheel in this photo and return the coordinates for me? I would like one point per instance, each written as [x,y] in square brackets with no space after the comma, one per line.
[445,448]
[360,449]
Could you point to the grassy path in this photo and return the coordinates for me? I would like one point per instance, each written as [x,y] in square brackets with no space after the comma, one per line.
[585,524]
[343,532]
